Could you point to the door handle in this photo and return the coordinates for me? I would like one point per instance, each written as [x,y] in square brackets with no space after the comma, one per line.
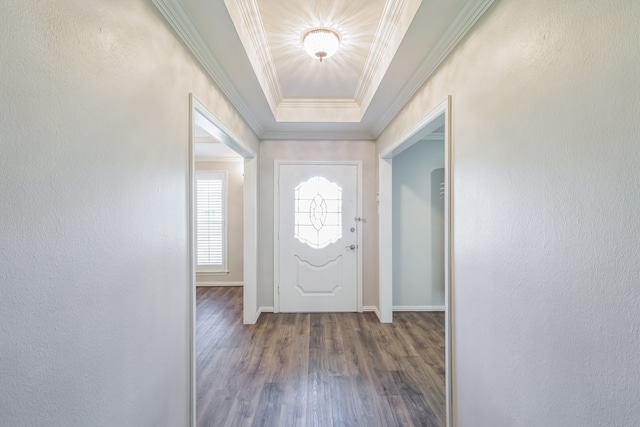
[352,247]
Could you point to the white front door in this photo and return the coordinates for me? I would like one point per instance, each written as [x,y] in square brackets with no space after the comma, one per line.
[317,234]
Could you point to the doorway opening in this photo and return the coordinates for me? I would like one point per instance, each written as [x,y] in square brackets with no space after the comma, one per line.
[222,251]
[431,134]
[418,225]
[219,182]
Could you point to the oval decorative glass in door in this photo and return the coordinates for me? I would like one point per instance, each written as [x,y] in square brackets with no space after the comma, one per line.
[318,212]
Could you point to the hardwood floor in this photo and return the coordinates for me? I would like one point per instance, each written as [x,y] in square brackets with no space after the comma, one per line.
[321,370]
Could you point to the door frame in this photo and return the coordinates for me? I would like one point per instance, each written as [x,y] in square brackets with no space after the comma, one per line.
[216,127]
[425,125]
[276,223]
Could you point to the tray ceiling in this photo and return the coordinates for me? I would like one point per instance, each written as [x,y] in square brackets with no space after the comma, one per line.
[253,50]
[339,89]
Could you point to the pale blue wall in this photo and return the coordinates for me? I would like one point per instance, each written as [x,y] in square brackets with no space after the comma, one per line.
[418,226]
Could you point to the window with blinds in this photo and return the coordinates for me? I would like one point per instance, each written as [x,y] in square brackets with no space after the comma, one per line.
[211,220]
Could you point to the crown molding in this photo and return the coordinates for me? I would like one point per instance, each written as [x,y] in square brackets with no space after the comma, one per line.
[394,23]
[219,159]
[464,21]
[206,140]
[178,19]
[434,136]
[318,103]
[245,15]
[318,110]
[318,136]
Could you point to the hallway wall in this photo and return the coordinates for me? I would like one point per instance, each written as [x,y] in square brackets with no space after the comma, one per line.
[545,123]
[94,296]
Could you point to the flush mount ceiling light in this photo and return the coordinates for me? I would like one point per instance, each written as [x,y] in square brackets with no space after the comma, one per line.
[321,43]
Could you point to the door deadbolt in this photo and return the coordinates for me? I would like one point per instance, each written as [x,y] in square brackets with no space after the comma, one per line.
[352,247]
[353,229]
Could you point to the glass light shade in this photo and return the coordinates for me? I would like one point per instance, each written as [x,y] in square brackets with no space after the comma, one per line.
[321,43]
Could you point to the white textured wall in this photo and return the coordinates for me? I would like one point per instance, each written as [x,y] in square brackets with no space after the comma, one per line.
[235,199]
[418,227]
[317,150]
[94,121]
[545,126]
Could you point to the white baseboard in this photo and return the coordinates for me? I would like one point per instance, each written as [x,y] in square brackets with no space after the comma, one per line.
[264,309]
[269,309]
[372,308]
[219,283]
[418,308]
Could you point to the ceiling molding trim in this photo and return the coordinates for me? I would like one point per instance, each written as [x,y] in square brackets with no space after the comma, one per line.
[219,159]
[318,136]
[318,103]
[245,15]
[394,23]
[434,136]
[318,110]
[206,140]
[464,21]
[178,19]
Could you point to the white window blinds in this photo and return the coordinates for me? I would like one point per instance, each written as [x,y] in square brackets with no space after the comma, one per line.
[211,230]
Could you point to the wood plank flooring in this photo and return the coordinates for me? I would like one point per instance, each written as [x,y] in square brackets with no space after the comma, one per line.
[320,370]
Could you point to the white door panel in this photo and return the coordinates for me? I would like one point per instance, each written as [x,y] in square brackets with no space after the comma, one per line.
[317,237]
